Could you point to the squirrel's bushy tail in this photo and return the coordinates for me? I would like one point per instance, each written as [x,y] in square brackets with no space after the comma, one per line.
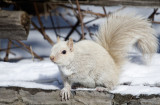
[120,32]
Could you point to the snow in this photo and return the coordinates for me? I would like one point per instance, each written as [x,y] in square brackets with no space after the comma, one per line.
[136,78]
[142,74]
[26,73]
[137,90]
[139,79]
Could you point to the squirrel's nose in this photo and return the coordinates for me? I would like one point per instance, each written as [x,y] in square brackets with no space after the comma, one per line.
[51,58]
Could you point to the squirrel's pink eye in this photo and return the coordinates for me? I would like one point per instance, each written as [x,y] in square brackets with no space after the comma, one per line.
[64,52]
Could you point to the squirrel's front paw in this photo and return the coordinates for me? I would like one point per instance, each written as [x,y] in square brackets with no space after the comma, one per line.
[65,94]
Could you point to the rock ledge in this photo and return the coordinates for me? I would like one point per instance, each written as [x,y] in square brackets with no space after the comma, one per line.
[28,96]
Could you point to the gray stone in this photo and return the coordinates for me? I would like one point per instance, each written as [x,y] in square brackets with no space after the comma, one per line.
[133,100]
[26,96]
[152,101]
[8,95]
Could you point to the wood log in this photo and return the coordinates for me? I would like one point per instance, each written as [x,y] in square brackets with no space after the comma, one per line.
[14,25]
[144,3]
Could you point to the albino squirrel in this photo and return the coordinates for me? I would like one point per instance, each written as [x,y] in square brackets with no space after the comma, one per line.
[97,64]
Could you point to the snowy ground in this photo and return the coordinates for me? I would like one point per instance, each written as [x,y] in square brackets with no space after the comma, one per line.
[136,78]
[26,73]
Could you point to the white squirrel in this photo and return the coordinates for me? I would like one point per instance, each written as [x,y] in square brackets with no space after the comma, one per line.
[97,64]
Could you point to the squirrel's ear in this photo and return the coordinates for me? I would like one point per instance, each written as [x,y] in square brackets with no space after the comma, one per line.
[58,39]
[70,44]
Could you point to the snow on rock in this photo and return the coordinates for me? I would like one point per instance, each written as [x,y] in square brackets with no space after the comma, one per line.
[136,90]
[141,74]
[139,79]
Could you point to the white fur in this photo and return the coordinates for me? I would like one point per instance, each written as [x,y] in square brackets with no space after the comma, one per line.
[61,59]
[98,64]
[66,72]
[120,32]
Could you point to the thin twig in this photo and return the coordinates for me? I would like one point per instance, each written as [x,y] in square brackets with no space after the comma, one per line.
[53,24]
[52,8]
[46,36]
[41,25]
[32,53]
[81,19]
[123,7]
[39,20]
[36,27]
[72,30]
[8,50]
[17,46]
[104,10]
[151,17]
[4,49]
[58,24]
[74,10]
[91,20]
[68,23]
[12,53]
[155,22]
[69,34]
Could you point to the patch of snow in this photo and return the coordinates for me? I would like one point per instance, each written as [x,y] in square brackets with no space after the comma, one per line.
[136,90]
[26,73]
[141,74]
[28,85]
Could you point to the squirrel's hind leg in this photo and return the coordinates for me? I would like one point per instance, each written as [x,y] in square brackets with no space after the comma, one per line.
[107,86]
